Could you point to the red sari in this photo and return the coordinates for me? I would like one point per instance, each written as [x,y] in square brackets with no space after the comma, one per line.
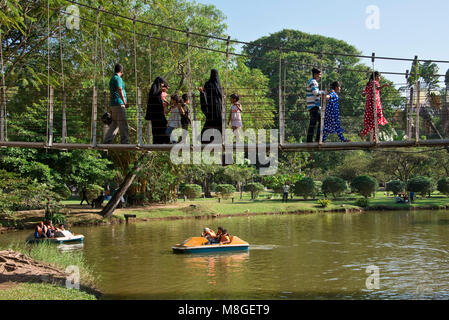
[368,121]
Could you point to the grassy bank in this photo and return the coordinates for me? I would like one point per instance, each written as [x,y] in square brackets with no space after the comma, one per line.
[49,256]
[267,203]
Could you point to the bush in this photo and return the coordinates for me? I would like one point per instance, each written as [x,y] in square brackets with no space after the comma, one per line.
[395,186]
[443,186]
[305,188]
[422,185]
[225,190]
[62,190]
[255,189]
[93,191]
[191,191]
[364,185]
[324,203]
[362,202]
[334,185]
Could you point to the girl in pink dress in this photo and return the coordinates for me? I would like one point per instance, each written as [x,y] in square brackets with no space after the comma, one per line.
[368,121]
[235,116]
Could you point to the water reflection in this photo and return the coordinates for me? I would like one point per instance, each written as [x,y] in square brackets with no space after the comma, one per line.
[213,263]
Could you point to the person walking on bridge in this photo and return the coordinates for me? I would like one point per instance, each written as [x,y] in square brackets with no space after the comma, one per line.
[119,103]
[313,97]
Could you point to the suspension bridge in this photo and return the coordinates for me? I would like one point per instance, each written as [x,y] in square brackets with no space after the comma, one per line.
[424,122]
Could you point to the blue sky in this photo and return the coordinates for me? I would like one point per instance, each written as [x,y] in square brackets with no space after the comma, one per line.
[407,27]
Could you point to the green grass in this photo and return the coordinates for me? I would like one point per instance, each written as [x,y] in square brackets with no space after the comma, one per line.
[43,291]
[208,207]
[50,254]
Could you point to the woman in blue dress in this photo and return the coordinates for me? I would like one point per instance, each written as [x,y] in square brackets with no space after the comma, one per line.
[332,114]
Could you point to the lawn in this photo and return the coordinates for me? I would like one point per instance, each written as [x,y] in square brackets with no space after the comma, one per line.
[42,291]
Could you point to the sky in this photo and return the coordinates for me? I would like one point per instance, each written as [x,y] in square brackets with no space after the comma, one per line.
[406,28]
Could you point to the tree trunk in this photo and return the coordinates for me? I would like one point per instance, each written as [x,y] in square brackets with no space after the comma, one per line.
[110,207]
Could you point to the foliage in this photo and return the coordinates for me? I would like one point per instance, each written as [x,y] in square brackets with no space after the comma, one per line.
[422,185]
[305,188]
[225,190]
[443,186]
[362,202]
[192,191]
[324,203]
[278,181]
[93,191]
[334,185]
[395,186]
[364,185]
[255,189]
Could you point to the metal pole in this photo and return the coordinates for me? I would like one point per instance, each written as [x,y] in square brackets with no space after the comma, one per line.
[50,118]
[151,79]
[417,95]
[223,112]
[407,124]
[64,98]
[189,68]
[418,108]
[323,103]
[281,109]
[139,108]
[376,125]
[3,92]
[94,117]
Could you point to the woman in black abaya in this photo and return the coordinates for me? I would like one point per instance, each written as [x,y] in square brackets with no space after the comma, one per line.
[156,112]
[212,103]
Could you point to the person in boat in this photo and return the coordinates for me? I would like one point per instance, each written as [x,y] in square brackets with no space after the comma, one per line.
[50,229]
[39,230]
[225,238]
[210,235]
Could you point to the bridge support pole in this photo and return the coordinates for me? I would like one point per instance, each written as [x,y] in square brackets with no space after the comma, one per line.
[50,117]
[281,103]
[139,110]
[3,114]
[376,125]
[94,117]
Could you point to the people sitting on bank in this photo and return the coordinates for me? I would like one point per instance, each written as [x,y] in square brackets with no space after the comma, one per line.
[98,202]
[210,235]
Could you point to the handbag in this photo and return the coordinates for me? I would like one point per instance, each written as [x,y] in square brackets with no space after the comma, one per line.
[107,119]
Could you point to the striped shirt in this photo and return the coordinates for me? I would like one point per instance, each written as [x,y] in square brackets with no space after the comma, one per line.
[313,94]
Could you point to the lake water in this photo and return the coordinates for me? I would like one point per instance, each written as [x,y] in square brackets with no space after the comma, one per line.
[313,256]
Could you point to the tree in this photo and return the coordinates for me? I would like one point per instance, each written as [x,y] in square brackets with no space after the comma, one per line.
[239,174]
[443,186]
[395,186]
[255,189]
[422,185]
[305,188]
[192,191]
[225,190]
[364,185]
[334,185]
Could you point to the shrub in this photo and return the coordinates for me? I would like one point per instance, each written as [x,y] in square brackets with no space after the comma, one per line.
[225,190]
[191,191]
[422,185]
[62,190]
[443,186]
[255,189]
[364,185]
[93,191]
[395,186]
[362,202]
[324,203]
[334,185]
[305,188]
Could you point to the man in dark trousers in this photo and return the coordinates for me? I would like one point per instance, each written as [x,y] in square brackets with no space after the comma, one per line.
[313,97]
[84,196]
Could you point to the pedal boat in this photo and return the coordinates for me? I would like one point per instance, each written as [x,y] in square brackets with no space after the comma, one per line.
[199,245]
[59,240]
